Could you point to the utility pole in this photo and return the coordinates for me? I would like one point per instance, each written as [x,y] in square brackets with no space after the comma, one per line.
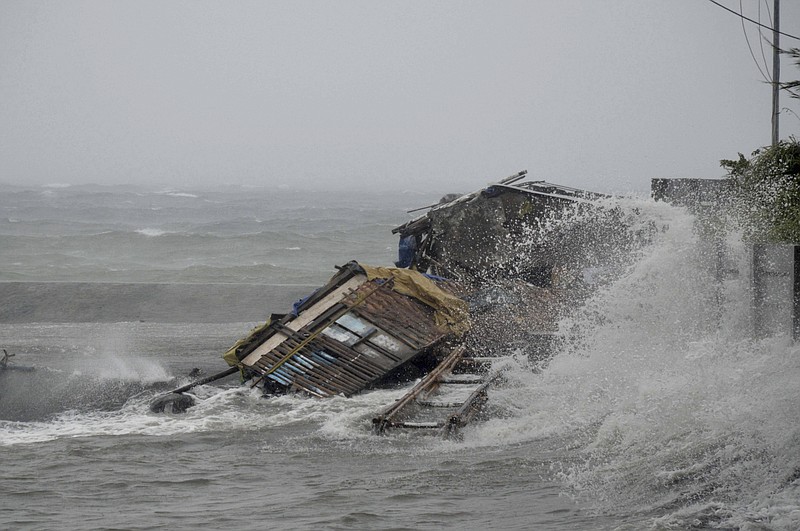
[776,79]
[776,71]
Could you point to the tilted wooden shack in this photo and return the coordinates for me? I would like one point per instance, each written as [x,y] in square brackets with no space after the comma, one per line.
[366,325]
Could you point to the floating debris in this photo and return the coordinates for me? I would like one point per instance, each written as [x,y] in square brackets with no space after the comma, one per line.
[444,401]
[5,366]
[466,273]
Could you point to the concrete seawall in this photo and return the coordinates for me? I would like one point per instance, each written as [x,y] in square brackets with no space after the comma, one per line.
[77,302]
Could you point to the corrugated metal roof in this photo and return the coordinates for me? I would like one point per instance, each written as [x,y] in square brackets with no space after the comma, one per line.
[354,341]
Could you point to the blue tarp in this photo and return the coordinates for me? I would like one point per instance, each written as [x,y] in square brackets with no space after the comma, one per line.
[406,251]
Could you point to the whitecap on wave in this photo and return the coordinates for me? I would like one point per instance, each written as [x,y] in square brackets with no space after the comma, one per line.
[151,232]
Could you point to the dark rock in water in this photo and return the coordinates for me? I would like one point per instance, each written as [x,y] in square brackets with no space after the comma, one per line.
[172,403]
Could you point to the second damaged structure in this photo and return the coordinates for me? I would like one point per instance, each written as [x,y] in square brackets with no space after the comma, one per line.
[495,233]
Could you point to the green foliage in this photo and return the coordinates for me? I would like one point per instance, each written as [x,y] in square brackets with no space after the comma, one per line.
[792,87]
[767,189]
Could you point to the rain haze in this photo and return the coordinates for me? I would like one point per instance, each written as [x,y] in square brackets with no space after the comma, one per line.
[201,203]
[603,95]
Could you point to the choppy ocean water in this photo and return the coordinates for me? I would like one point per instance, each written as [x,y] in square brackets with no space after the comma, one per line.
[656,415]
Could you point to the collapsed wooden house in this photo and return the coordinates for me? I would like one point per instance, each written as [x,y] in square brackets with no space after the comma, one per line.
[367,325]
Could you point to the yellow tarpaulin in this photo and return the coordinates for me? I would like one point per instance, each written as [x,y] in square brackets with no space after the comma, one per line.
[449,310]
[230,356]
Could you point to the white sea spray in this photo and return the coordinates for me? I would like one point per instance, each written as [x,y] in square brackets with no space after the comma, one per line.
[674,409]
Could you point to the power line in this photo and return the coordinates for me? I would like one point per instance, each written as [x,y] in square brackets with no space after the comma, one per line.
[753,21]
[769,14]
[747,39]
[760,34]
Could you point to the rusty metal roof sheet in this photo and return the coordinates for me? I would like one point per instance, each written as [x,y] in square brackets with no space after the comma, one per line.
[357,334]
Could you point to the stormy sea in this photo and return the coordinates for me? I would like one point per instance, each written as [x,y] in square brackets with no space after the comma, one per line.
[660,411]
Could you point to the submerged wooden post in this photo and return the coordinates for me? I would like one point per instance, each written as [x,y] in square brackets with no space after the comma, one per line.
[758,290]
[776,290]
[796,294]
[207,379]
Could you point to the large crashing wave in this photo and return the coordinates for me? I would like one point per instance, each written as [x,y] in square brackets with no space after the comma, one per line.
[667,404]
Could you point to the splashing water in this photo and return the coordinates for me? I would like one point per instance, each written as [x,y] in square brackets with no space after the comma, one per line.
[673,409]
[100,374]
[660,403]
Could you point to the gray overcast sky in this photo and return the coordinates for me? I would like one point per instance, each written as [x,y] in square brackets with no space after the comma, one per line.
[602,94]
